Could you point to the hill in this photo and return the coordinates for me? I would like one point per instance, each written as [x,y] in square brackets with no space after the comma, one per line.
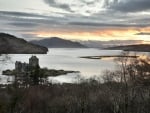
[110,43]
[139,47]
[10,44]
[55,42]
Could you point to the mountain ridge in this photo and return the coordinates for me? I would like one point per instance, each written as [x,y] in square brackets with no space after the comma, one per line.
[10,44]
[56,42]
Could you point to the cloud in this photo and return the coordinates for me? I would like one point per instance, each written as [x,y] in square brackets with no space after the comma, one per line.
[82,7]
[53,3]
[130,5]
[24,24]
[22,19]
[108,24]
[78,15]
[20,14]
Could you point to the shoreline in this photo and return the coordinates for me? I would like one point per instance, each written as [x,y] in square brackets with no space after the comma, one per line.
[101,57]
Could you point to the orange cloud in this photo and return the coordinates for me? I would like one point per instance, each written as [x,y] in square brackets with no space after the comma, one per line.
[98,34]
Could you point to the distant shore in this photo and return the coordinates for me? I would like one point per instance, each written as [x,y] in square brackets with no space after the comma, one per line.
[136,48]
[101,57]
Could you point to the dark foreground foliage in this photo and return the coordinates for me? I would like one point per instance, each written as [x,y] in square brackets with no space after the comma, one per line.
[124,91]
[76,98]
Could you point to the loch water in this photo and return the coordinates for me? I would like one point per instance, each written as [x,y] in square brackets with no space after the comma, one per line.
[68,59]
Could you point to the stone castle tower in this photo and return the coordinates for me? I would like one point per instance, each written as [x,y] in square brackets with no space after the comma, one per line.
[25,67]
[33,61]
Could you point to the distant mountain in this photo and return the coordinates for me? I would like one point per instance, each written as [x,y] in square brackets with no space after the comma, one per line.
[10,44]
[139,47]
[55,42]
[110,43]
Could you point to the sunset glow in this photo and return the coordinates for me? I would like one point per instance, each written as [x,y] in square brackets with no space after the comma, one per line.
[101,34]
[97,19]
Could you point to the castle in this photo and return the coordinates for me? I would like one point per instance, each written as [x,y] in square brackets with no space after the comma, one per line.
[26,67]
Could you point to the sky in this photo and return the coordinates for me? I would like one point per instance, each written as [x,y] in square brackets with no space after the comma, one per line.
[77,19]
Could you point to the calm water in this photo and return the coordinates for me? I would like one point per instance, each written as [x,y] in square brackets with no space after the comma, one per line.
[67,59]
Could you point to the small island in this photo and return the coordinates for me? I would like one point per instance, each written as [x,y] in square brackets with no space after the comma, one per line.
[27,71]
